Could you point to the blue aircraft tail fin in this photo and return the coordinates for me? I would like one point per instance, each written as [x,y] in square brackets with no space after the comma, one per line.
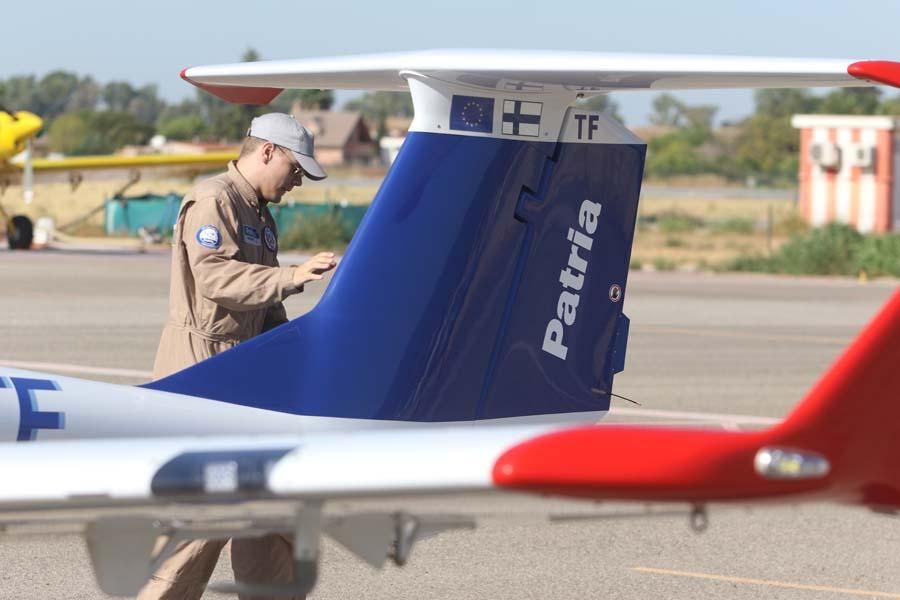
[486,281]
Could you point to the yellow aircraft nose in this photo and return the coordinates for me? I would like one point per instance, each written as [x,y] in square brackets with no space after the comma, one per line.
[15,130]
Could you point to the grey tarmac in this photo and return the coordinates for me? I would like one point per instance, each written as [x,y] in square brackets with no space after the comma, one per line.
[700,344]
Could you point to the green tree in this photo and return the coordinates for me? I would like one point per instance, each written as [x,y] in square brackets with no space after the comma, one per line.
[182,121]
[667,111]
[146,106]
[699,117]
[67,132]
[375,105]
[225,120]
[53,93]
[784,102]
[851,101]
[602,103]
[890,106]
[308,99]
[184,108]
[673,154]
[117,95]
[103,132]
[84,96]
[688,148]
[184,127]
[20,93]
[108,131]
[767,146]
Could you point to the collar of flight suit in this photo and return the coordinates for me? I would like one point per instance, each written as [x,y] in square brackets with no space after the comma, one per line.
[243,186]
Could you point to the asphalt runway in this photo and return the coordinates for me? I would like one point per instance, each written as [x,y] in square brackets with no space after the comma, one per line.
[701,346]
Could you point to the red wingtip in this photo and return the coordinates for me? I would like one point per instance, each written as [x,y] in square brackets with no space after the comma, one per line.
[852,414]
[881,71]
[851,419]
[650,464]
[236,94]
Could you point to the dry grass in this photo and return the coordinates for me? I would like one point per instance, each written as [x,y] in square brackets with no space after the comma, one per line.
[63,204]
[707,246]
[318,193]
[714,209]
[701,247]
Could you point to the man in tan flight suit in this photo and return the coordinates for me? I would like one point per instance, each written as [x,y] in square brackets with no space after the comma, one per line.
[227,287]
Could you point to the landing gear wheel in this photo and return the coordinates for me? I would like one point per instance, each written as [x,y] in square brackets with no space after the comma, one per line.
[21,234]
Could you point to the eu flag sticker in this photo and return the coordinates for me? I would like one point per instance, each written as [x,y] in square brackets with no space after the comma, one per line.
[472,113]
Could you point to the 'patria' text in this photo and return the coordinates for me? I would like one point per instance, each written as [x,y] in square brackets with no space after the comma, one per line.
[572,279]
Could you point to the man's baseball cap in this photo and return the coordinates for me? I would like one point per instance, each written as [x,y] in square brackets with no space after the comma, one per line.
[285,131]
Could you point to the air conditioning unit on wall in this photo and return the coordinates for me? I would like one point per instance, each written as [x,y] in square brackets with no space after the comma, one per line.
[825,154]
[861,155]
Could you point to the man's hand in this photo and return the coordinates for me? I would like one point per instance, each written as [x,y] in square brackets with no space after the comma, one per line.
[314,269]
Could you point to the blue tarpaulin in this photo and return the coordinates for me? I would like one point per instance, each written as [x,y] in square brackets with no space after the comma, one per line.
[158,213]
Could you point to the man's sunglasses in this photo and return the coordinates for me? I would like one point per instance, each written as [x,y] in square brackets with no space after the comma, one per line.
[297,171]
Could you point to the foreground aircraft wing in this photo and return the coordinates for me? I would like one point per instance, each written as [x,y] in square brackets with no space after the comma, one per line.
[92,473]
[535,71]
[160,483]
[839,444]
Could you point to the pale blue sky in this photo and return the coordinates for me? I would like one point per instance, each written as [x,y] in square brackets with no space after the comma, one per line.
[149,42]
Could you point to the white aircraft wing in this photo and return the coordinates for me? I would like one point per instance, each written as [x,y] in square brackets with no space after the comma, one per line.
[126,494]
[590,72]
[92,473]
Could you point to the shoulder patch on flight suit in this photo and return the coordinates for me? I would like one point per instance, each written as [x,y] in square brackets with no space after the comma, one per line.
[251,235]
[209,237]
[271,241]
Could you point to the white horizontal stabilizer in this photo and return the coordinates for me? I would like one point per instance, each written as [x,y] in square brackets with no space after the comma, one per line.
[538,71]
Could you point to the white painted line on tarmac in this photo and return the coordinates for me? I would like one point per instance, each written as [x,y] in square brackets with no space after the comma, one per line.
[742,335]
[692,416]
[767,583]
[78,369]
[614,411]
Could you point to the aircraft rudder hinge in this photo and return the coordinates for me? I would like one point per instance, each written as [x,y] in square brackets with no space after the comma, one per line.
[620,344]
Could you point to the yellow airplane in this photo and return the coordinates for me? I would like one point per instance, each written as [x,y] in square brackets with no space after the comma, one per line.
[17,129]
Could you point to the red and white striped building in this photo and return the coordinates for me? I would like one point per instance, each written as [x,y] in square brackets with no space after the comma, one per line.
[847,166]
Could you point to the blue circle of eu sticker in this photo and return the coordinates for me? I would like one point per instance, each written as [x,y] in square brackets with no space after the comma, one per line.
[271,241]
[208,236]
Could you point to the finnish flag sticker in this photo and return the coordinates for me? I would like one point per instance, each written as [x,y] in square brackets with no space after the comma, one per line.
[522,118]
